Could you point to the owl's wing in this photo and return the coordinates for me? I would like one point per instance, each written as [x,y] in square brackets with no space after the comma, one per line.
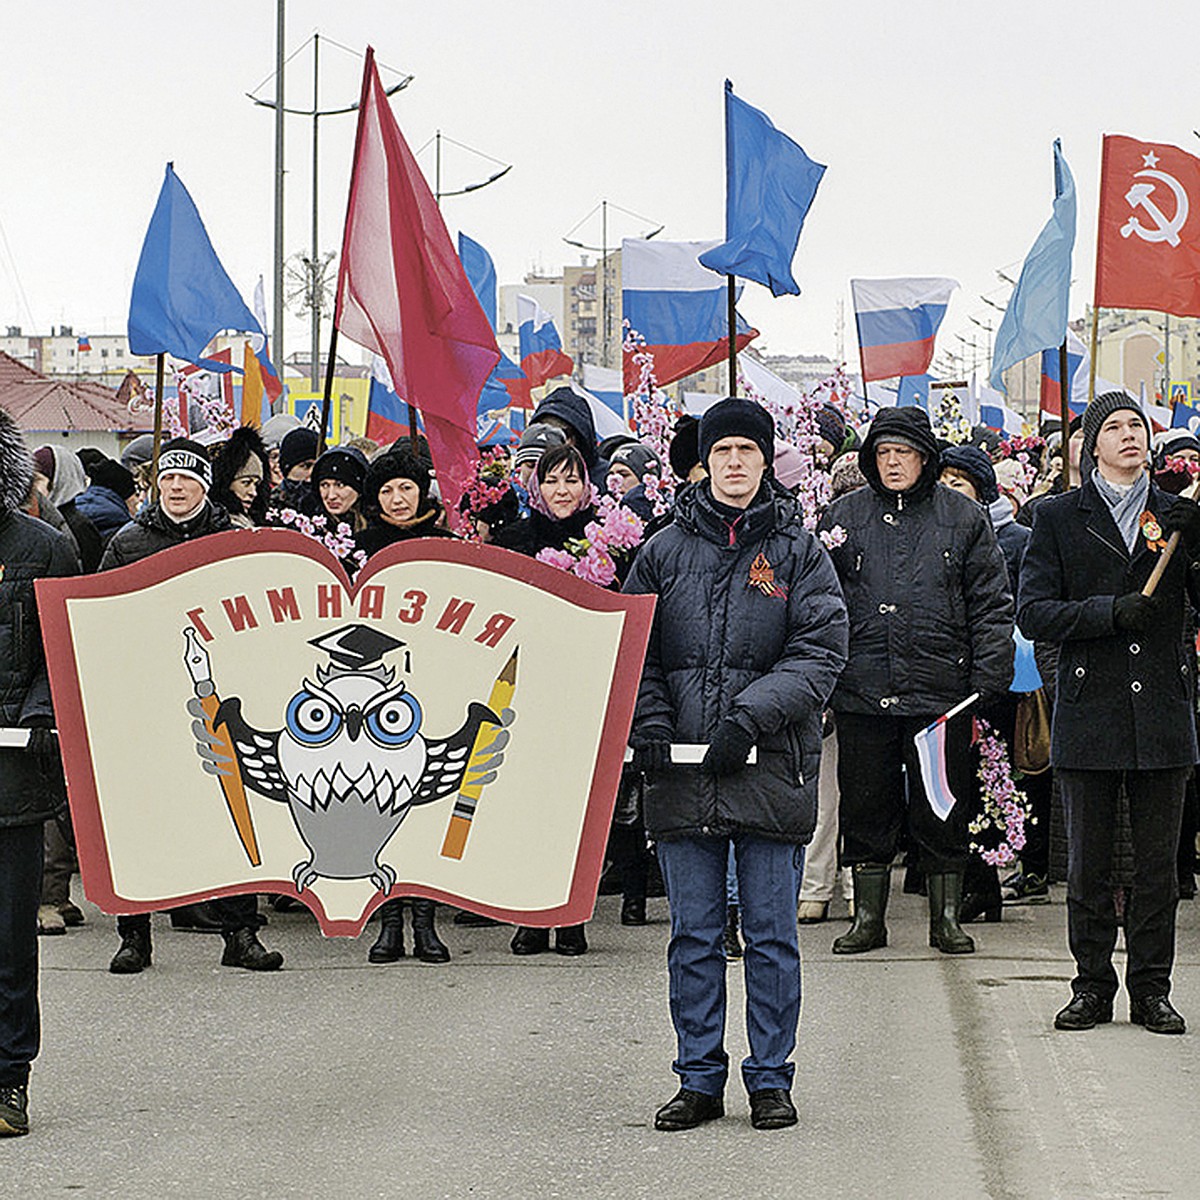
[257,752]
[446,760]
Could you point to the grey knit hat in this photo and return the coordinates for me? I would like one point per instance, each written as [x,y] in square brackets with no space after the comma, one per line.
[1103,407]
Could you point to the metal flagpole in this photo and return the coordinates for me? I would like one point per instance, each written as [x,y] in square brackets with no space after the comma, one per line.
[278,281]
[1064,409]
[159,366]
[327,404]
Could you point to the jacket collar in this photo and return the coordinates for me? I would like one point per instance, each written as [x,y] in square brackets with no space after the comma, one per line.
[1099,519]
[698,514]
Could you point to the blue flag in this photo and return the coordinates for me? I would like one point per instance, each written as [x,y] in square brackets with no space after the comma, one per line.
[769,186]
[1036,317]
[181,294]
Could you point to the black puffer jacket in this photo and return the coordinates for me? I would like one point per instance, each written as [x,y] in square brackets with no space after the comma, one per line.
[152,530]
[931,613]
[750,625]
[29,550]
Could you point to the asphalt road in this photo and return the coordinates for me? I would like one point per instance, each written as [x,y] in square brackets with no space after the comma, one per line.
[918,1075]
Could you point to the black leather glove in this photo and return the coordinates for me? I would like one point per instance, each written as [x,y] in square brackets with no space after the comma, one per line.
[727,749]
[43,745]
[1135,613]
[1183,517]
[651,758]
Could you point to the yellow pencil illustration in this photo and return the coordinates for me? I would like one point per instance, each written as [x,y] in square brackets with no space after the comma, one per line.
[468,794]
[198,665]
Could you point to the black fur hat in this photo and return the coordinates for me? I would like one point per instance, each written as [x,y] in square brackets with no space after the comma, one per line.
[16,465]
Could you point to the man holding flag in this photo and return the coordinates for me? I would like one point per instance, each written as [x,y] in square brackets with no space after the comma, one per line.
[1124,703]
[931,621]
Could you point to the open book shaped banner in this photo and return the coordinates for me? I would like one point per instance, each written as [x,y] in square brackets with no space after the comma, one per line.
[235,716]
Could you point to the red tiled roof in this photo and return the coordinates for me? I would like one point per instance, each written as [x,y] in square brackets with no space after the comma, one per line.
[46,404]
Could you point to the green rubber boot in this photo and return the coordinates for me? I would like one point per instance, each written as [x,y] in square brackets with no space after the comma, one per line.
[945,897]
[871,882]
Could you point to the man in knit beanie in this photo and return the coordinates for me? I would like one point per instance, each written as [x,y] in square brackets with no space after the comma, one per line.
[1124,704]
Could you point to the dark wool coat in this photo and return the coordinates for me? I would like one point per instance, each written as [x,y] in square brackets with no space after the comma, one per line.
[152,530]
[1122,700]
[749,625]
[29,550]
[931,614]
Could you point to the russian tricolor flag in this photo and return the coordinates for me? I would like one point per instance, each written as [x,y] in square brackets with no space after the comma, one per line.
[897,321]
[1051,402]
[678,306]
[931,752]
[995,413]
[387,413]
[542,354]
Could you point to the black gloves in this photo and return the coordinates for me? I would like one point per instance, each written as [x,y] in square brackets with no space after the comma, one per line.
[1184,517]
[727,750]
[651,758]
[43,745]
[1135,613]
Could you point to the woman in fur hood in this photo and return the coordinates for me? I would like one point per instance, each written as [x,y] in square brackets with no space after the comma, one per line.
[240,471]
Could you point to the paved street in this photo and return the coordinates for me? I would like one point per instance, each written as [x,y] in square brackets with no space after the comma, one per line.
[918,1075]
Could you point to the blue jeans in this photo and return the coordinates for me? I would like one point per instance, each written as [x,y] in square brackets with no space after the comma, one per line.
[768,887]
[20,892]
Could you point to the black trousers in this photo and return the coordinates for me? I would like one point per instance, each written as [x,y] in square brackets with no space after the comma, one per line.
[1155,812]
[879,779]
[20,891]
[236,912]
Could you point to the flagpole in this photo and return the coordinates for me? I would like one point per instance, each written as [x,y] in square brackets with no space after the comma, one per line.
[159,367]
[412,427]
[327,403]
[731,283]
[1064,410]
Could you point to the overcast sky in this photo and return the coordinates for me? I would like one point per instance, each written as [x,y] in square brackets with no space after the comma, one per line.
[935,117]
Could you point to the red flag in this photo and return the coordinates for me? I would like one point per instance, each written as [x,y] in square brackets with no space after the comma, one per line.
[1148,246]
[402,291]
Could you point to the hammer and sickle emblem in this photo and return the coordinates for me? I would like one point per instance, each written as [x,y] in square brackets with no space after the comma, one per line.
[1139,196]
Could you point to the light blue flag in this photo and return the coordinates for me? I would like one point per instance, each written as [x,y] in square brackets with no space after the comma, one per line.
[913,391]
[181,296]
[769,187]
[1036,317]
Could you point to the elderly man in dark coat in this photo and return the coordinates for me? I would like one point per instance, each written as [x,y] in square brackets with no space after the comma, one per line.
[1123,705]
[749,635]
[931,622]
[31,781]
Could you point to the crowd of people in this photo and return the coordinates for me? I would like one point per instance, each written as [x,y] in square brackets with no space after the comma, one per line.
[807,650]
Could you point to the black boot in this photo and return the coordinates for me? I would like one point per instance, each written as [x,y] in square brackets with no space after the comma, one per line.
[633,910]
[528,940]
[945,896]
[427,946]
[981,894]
[133,955]
[389,945]
[243,949]
[733,944]
[570,941]
[871,884]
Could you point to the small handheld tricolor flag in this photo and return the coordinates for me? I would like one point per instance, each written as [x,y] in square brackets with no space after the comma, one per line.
[931,751]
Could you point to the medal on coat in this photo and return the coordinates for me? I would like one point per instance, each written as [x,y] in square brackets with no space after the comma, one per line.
[762,576]
[1152,531]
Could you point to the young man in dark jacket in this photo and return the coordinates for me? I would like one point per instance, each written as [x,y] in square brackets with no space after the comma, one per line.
[749,635]
[1123,709]
[183,512]
[931,620]
[31,780]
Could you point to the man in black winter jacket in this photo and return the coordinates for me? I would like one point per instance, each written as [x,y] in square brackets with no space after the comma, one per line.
[1123,708]
[749,635]
[931,620]
[31,781]
[183,512]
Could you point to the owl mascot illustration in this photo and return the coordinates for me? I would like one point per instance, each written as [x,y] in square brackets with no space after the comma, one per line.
[351,759]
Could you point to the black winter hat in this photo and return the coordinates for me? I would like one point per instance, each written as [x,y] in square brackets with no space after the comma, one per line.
[109,474]
[183,456]
[737,417]
[831,425]
[639,458]
[975,464]
[395,464]
[1103,407]
[684,451]
[343,463]
[298,446]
